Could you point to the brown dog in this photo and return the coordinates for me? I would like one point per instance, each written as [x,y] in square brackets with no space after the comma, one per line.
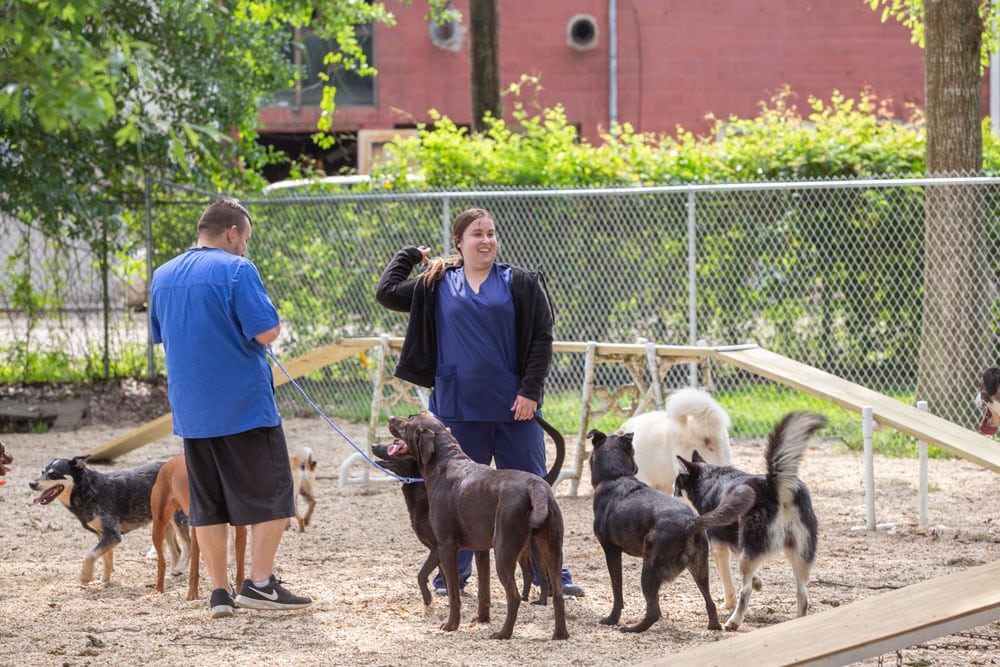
[171,493]
[473,506]
[415,496]
[303,472]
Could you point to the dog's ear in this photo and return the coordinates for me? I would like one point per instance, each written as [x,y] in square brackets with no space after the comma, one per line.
[425,444]
[696,457]
[80,461]
[626,443]
[991,382]
[688,466]
[597,437]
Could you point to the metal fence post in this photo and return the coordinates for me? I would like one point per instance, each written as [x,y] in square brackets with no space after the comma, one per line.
[692,224]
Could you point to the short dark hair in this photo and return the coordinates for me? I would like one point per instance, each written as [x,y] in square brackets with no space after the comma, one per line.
[223,214]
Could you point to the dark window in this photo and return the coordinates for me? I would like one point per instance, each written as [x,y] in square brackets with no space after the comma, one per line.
[308,51]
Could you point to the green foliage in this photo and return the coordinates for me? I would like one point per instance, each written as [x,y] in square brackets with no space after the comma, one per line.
[24,364]
[840,138]
[805,284]
[96,95]
[910,14]
[756,408]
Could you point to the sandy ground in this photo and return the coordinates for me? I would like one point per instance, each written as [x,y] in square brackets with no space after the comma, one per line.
[359,558]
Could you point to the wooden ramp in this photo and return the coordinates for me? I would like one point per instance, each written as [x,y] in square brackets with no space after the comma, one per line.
[887,411]
[297,367]
[865,629]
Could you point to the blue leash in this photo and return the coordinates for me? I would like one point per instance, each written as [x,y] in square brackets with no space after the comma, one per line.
[405,480]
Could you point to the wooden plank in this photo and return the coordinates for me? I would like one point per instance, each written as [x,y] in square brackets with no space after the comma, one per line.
[861,630]
[322,356]
[632,349]
[163,426]
[160,427]
[887,411]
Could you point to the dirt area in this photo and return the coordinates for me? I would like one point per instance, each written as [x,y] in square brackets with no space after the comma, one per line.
[359,559]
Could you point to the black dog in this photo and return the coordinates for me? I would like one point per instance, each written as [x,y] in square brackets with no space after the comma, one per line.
[774,510]
[107,504]
[632,517]
[415,496]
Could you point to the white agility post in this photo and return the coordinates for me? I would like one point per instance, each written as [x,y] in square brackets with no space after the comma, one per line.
[586,393]
[868,432]
[922,492]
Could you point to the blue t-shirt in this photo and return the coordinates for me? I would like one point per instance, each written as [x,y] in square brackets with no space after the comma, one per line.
[476,377]
[206,306]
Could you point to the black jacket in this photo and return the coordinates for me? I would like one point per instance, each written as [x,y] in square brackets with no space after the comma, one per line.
[418,359]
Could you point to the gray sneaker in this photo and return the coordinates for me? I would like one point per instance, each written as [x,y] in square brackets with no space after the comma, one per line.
[221,603]
[271,596]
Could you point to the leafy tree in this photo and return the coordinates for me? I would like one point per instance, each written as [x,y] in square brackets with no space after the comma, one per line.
[953,35]
[96,93]
[100,98]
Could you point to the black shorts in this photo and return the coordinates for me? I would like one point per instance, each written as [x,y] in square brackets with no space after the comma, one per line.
[240,479]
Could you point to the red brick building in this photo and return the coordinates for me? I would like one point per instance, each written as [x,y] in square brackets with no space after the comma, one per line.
[672,62]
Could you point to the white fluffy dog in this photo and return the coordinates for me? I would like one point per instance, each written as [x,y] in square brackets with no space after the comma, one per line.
[692,420]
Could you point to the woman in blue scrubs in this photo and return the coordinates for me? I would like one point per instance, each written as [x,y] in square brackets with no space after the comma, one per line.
[480,334]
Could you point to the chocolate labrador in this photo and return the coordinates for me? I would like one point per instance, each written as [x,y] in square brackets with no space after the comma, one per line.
[415,497]
[473,506]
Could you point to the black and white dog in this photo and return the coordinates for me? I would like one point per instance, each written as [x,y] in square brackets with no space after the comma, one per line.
[988,400]
[107,504]
[774,509]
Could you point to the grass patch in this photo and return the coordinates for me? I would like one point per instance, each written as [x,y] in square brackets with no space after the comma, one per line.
[755,410]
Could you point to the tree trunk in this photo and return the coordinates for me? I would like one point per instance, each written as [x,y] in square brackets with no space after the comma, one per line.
[484,52]
[953,342]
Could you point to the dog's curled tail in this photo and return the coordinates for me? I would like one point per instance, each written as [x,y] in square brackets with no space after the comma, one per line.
[691,403]
[305,456]
[553,474]
[734,505]
[787,443]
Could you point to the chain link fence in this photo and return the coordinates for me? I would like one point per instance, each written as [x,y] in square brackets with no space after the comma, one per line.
[828,273]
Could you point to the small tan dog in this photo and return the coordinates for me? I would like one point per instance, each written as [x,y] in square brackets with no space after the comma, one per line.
[303,474]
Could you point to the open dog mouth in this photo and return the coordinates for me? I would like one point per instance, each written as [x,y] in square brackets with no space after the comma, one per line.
[397,448]
[985,426]
[48,495]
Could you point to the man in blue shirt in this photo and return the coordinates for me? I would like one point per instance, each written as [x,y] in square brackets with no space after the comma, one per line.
[210,310]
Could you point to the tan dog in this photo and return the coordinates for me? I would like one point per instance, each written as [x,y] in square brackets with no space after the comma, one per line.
[170,494]
[303,473]
[473,506]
